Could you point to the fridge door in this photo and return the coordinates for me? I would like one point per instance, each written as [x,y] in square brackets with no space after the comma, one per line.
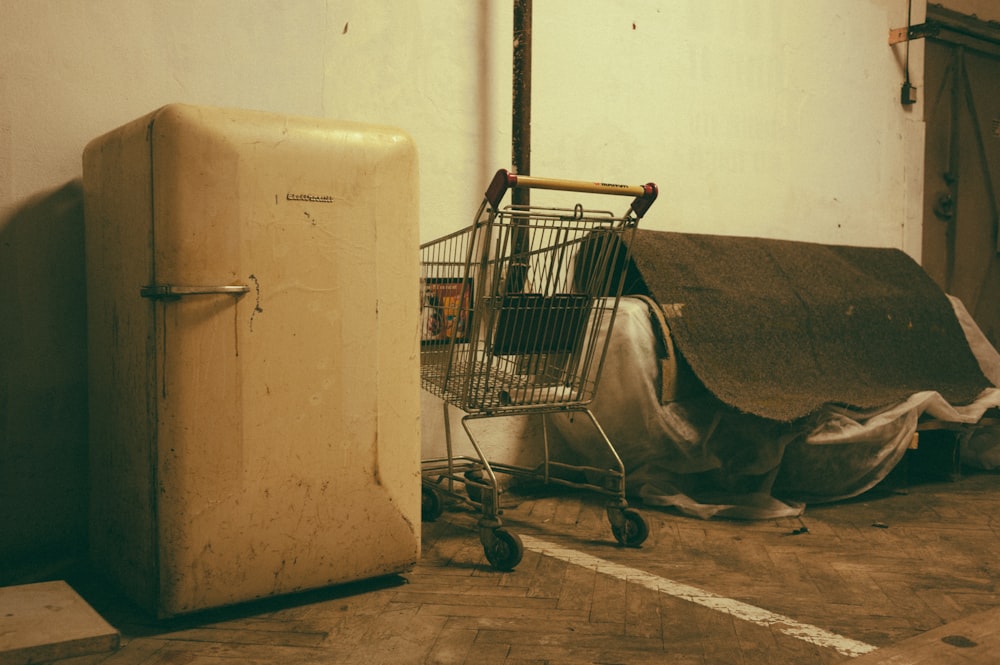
[286,354]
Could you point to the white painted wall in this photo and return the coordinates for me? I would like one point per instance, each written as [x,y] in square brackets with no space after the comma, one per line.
[769,117]
[777,119]
[759,117]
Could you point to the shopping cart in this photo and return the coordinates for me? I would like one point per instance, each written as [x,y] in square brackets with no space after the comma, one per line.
[516,314]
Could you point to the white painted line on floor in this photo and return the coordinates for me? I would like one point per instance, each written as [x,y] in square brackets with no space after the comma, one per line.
[805,632]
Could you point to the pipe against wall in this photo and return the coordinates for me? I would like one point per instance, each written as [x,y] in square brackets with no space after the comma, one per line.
[521,111]
[521,129]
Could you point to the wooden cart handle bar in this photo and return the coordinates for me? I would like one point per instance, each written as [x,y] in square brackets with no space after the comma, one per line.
[504,180]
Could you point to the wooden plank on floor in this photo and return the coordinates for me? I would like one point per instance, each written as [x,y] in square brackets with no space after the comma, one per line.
[48,621]
[974,640]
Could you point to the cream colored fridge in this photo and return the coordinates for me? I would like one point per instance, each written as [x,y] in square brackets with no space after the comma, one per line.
[252,284]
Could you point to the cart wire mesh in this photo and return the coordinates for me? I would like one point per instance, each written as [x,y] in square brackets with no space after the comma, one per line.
[516,315]
[512,306]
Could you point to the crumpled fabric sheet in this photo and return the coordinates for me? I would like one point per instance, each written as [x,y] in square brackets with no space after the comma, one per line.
[704,459]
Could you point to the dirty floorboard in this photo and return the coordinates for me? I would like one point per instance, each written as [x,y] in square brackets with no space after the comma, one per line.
[908,568]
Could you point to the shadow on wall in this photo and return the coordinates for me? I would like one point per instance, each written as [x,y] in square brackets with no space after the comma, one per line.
[43,388]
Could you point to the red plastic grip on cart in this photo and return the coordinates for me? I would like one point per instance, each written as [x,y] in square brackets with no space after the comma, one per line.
[641,203]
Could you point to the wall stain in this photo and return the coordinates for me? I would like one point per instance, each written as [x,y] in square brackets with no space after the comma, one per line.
[256,308]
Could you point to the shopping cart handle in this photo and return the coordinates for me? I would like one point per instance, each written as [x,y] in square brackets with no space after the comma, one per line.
[504,180]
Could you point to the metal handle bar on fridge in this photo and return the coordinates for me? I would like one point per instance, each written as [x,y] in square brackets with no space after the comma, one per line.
[504,180]
[173,292]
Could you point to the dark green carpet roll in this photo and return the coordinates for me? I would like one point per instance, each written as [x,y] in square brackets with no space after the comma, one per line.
[779,328]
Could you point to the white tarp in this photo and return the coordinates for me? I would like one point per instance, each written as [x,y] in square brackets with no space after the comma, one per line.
[705,459]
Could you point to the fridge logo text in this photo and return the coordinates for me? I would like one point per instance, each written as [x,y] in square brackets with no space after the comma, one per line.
[314,198]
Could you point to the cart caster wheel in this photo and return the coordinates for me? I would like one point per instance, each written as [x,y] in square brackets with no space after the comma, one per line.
[431,504]
[475,492]
[503,549]
[633,531]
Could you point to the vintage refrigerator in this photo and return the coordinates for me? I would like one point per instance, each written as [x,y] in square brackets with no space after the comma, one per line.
[252,299]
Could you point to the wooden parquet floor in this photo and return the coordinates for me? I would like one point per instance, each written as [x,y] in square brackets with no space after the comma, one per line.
[876,572]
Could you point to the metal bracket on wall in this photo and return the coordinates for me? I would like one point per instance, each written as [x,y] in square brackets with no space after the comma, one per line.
[907,33]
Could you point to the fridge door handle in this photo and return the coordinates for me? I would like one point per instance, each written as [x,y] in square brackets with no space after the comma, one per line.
[172,292]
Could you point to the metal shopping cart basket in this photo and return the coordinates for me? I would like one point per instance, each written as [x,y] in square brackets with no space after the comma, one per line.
[516,317]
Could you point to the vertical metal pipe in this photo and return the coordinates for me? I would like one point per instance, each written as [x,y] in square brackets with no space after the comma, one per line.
[521,111]
[521,133]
